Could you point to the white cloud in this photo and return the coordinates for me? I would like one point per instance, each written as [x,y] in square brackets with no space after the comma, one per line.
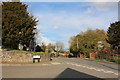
[45,40]
[55,27]
[105,6]
[101,0]
[41,39]
[89,10]
[66,0]
[70,0]
[77,21]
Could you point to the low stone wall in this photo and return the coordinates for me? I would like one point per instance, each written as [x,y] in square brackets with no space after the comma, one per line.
[13,57]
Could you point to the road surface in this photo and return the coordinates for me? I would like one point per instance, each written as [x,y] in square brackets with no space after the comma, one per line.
[62,68]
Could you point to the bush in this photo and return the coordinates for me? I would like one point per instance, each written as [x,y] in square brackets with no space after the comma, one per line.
[108,55]
[70,54]
[85,54]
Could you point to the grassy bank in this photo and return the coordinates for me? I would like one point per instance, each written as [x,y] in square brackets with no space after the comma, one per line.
[109,60]
[21,51]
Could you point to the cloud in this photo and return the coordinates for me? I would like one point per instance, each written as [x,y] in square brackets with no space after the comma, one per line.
[70,0]
[76,21]
[56,27]
[105,6]
[45,40]
[101,0]
[41,39]
[66,0]
[89,10]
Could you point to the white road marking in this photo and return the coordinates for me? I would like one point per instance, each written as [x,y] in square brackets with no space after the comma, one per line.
[45,64]
[115,73]
[55,63]
[96,69]
[78,65]
[68,63]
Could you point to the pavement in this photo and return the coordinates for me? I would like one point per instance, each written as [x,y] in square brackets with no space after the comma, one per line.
[62,68]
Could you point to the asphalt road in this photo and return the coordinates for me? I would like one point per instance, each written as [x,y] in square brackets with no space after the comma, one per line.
[62,68]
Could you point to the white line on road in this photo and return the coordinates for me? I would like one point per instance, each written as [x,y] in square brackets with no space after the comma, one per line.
[96,69]
[55,63]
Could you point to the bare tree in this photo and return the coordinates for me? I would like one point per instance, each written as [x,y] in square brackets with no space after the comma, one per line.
[59,47]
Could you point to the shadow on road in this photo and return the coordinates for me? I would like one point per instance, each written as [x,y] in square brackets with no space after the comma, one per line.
[75,75]
[112,67]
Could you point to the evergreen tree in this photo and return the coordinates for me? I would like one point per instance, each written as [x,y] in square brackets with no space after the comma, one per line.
[38,48]
[114,34]
[17,25]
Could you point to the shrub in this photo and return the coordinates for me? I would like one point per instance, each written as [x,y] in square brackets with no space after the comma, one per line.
[108,54]
[70,54]
[85,54]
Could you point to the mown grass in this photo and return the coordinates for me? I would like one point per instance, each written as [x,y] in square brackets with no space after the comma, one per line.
[21,51]
[110,60]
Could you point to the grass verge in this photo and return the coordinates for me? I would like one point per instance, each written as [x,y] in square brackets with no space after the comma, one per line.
[21,51]
[110,60]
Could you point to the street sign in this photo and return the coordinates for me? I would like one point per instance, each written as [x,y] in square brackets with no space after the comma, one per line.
[36,56]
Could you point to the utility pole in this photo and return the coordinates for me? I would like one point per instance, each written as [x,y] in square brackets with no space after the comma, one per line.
[77,46]
[77,43]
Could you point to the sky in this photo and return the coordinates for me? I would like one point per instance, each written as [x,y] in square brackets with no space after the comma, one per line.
[59,20]
[64,0]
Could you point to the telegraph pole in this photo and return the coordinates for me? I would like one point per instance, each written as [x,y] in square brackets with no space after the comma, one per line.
[77,46]
[77,43]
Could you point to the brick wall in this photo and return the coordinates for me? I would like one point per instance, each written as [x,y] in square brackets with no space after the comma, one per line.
[92,55]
